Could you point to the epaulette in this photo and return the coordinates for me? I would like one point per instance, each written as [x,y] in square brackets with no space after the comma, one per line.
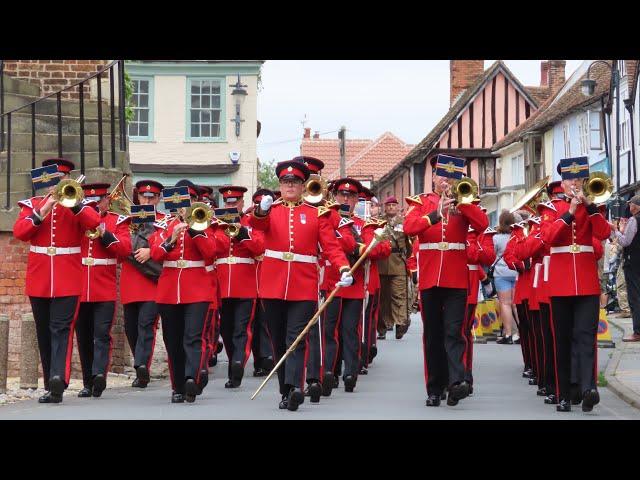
[162,224]
[416,200]
[470,229]
[490,230]
[121,218]
[534,220]
[322,210]
[332,204]
[370,223]
[28,202]
[548,205]
[344,221]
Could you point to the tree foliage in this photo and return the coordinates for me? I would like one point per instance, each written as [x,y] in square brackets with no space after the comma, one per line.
[267,175]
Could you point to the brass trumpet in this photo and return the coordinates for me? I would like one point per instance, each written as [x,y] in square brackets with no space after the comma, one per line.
[464,190]
[199,216]
[315,189]
[231,230]
[598,187]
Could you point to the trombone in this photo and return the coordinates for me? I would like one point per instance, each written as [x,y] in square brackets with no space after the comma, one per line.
[315,189]
[598,187]
[67,192]
[199,216]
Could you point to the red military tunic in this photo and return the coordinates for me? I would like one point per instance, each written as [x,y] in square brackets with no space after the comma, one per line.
[184,285]
[293,231]
[54,274]
[374,277]
[521,290]
[441,267]
[99,280]
[134,285]
[237,266]
[572,274]
[342,227]
[480,252]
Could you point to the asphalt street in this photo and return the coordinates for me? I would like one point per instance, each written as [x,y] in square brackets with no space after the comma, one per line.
[393,390]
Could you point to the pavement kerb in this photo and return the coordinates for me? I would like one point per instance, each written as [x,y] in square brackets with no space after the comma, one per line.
[615,385]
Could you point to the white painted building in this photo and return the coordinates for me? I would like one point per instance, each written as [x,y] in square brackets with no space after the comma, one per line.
[185,122]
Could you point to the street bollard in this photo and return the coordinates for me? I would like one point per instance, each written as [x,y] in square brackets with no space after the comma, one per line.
[4,352]
[28,353]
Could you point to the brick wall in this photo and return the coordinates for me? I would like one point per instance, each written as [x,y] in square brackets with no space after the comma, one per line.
[53,75]
[462,74]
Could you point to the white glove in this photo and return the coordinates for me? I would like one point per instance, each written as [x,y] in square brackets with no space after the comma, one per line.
[266,202]
[345,280]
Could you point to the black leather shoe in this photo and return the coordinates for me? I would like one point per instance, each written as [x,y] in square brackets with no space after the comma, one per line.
[268,364]
[213,361]
[364,371]
[373,351]
[138,384]
[177,398]
[589,399]
[551,399]
[443,395]
[349,383]
[85,392]
[219,347]
[327,384]
[315,390]
[470,389]
[505,340]
[237,372]
[457,392]
[50,398]
[433,401]
[260,372]
[389,329]
[382,336]
[56,386]
[563,406]
[284,403]
[204,380]
[336,381]
[142,375]
[230,384]
[542,392]
[99,384]
[295,399]
[190,390]
[533,381]
[576,396]
[528,373]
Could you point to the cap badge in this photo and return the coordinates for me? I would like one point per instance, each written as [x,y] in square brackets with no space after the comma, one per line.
[148,187]
[449,167]
[92,191]
[574,168]
[290,169]
[346,185]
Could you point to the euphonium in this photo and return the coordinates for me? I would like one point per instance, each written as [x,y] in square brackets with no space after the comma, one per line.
[464,190]
[199,216]
[598,187]
[315,189]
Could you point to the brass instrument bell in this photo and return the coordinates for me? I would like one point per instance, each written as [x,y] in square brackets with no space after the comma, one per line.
[598,187]
[199,216]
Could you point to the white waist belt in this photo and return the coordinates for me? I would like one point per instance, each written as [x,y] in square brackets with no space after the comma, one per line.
[536,274]
[545,261]
[210,268]
[573,249]
[54,250]
[290,256]
[232,260]
[89,261]
[443,246]
[472,267]
[183,263]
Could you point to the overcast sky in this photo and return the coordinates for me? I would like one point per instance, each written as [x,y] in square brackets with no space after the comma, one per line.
[368,97]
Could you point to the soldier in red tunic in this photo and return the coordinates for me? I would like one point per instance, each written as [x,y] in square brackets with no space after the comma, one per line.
[183,296]
[101,251]
[138,281]
[569,226]
[289,271]
[238,285]
[54,270]
[442,232]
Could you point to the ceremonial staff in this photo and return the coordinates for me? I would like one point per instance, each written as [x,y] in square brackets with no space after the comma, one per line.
[379,236]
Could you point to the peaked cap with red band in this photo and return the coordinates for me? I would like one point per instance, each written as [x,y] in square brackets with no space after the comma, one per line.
[193,189]
[64,166]
[290,169]
[149,188]
[347,184]
[231,193]
[96,189]
[313,164]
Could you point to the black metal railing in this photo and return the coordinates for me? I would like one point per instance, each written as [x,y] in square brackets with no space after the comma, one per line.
[112,69]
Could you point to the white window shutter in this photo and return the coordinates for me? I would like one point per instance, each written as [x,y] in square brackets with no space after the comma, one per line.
[594,130]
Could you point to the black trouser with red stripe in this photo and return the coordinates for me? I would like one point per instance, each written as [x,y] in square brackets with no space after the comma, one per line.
[537,347]
[261,344]
[184,334]
[286,320]
[140,327]
[525,335]
[212,329]
[549,354]
[93,329]
[236,328]
[370,327]
[468,326]
[574,322]
[444,344]
[314,360]
[331,336]
[54,319]
[350,328]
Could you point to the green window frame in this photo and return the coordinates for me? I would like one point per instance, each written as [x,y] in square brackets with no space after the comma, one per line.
[142,101]
[205,109]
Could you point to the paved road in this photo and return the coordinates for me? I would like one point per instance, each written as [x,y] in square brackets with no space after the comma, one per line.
[394,389]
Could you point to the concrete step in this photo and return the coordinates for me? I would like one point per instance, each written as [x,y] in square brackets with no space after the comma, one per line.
[21,123]
[48,142]
[21,162]
[13,85]
[70,108]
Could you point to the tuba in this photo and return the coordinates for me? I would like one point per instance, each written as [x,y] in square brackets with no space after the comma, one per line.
[199,216]
[315,189]
[532,198]
[598,187]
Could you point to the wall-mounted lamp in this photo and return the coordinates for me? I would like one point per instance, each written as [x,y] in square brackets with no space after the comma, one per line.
[239,93]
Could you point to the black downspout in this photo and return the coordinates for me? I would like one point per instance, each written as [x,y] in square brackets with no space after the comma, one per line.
[633,142]
[606,137]
[617,86]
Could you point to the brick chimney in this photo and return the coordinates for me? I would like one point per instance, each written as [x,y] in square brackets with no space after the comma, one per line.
[316,135]
[556,75]
[544,73]
[307,133]
[463,73]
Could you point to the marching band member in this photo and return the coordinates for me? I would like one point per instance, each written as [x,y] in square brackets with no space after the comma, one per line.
[183,296]
[442,233]
[238,286]
[138,282]
[53,271]
[101,250]
[289,273]
[574,290]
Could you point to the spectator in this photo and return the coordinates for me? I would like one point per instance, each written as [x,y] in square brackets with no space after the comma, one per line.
[504,278]
[630,242]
